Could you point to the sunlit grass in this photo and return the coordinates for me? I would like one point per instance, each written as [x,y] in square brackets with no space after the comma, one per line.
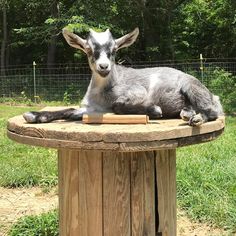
[206,179]
[22,165]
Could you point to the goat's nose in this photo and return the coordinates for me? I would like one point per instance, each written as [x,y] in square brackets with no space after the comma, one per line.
[103,66]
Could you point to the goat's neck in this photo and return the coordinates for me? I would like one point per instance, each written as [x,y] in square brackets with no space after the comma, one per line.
[100,82]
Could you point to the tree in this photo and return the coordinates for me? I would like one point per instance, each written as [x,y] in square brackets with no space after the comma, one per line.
[3,5]
[207,27]
[53,39]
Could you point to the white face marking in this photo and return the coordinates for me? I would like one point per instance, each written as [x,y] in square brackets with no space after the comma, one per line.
[103,59]
[101,37]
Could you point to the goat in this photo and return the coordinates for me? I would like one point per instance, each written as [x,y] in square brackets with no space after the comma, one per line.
[158,92]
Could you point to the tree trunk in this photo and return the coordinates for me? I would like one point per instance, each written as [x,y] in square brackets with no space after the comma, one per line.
[4,39]
[52,44]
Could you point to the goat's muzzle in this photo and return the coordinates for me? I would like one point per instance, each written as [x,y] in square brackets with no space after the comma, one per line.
[103,73]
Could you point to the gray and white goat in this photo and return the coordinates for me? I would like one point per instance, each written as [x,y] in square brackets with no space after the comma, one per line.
[158,92]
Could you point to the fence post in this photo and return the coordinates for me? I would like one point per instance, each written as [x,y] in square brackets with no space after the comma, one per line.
[34,67]
[201,67]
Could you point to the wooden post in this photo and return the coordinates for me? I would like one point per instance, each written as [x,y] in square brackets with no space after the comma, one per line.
[113,193]
[80,193]
[166,187]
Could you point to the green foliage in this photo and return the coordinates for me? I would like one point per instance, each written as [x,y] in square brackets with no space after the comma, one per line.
[221,83]
[169,30]
[206,179]
[225,85]
[25,99]
[206,27]
[73,94]
[43,225]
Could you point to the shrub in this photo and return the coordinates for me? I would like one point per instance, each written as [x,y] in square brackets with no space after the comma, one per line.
[225,85]
[221,83]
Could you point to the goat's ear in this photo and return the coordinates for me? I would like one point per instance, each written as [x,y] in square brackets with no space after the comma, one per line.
[75,41]
[127,40]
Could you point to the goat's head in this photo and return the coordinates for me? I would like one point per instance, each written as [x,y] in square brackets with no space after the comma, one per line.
[100,48]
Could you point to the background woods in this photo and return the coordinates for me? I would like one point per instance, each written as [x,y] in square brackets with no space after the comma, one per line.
[170,29]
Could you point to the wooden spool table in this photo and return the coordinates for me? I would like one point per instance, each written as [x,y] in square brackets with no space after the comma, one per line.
[116,180]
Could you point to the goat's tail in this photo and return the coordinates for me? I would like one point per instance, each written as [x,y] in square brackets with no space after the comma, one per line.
[217,105]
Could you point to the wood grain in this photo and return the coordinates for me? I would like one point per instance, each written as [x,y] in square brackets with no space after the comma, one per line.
[116,194]
[143,194]
[68,192]
[110,118]
[109,133]
[90,194]
[80,193]
[119,147]
[166,186]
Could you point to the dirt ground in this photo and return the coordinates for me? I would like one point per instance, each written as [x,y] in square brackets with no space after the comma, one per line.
[15,203]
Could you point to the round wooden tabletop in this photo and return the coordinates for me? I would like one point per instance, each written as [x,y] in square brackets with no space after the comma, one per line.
[158,134]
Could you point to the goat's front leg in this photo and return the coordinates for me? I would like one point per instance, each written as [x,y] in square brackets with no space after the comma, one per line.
[48,116]
[123,105]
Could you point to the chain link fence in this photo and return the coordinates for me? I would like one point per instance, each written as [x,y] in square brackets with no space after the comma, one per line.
[68,82]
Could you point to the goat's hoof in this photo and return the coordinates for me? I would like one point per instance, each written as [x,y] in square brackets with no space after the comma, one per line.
[31,117]
[196,120]
[186,114]
[36,117]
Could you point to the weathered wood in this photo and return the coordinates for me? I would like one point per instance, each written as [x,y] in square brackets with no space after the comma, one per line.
[166,187]
[107,133]
[143,194]
[68,165]
[120,147]
[110,118]
[136,137]
[116,194]
[90,194]
[80,193]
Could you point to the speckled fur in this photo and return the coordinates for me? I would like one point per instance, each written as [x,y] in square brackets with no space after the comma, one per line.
[159,92]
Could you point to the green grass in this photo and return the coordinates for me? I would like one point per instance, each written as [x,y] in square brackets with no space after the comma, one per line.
[22,165]
[206,179]
[45,224]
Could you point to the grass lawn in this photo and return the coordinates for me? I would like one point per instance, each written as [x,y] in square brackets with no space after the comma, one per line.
[206,173]
[22,165]
[206,179]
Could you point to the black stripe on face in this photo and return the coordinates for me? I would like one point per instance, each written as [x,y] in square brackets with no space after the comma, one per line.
[107,48]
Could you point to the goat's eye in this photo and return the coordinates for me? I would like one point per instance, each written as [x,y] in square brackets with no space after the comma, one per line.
[96,54]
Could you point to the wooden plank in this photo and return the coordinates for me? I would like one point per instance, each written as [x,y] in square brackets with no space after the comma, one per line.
[116,194]
[143,194]
[80,193]
[90,194]
[122,147]
[76,131]
[110,118]
[68,163]
[166,185]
